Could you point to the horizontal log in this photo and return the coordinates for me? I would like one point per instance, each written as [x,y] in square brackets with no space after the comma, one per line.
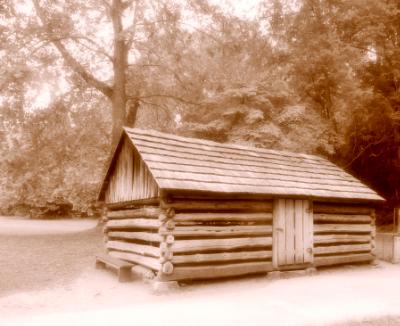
[321,208]
[222,231]
[342,249]
[222,257]
[170,212]
[340,238]
[149,212]
[133,203]
[343,259]
[144,250]
[133,223]
[162,217]
[167,267]
[170,225]
[166,253]
[217,271]
[243,205]
[169,239]
[241,217]
[331,228]
[181,246]
[336,218]
[164,246]
[149,262]
[145,236]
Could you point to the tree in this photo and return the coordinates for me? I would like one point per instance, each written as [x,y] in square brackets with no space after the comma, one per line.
[100,42]
[59,154]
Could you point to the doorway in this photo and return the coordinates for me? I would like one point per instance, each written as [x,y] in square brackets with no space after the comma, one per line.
[292,233]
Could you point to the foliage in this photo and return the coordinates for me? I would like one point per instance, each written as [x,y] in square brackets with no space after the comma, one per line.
[318,76]
[58,153]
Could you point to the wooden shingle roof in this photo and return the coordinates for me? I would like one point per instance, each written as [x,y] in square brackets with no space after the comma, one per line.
[189,164]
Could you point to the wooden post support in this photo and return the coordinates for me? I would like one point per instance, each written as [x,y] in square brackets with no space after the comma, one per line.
[164,287]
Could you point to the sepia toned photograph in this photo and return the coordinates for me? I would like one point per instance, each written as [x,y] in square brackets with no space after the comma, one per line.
[200,162]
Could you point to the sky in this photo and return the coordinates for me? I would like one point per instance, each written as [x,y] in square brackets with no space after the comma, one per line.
[241,8]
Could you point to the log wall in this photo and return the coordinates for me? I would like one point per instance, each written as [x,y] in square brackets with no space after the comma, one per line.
[132,235]
[343,234]
[216,238]
[183,239]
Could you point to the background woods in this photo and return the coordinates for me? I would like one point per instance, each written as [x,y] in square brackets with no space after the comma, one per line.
[319,76]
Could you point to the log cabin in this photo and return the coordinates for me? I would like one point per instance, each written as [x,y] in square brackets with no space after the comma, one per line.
[190,209]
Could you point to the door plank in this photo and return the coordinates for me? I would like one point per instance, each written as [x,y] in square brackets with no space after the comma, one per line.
[307,231]
[289,231]
[298,225]
[280,231]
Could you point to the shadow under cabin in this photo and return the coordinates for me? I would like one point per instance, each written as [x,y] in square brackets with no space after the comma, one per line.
[188,209]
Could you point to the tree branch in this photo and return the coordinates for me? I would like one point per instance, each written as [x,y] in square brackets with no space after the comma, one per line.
[361,152]
[98,49]
[177,98]
[70,60]
[166,68]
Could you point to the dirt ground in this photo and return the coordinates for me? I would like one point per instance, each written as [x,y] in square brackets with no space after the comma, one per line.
[33,262]
[49,279]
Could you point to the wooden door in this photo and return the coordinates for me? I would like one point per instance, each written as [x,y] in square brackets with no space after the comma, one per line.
[292,232]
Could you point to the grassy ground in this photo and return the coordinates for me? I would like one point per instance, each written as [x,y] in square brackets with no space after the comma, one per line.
[30,262]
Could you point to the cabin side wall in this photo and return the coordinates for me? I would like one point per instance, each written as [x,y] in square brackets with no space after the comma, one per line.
[199,238]
[343,233]
[213,238]
[130,179]
[132,234]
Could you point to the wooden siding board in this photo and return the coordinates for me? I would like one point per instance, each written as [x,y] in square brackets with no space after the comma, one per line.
[280,231]
[298,226]
[308,231]
[289,231]
[130,178]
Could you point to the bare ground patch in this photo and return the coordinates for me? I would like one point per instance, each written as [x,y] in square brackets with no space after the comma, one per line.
[30,262]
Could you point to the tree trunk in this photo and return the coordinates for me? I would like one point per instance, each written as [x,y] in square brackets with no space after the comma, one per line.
[120,64]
